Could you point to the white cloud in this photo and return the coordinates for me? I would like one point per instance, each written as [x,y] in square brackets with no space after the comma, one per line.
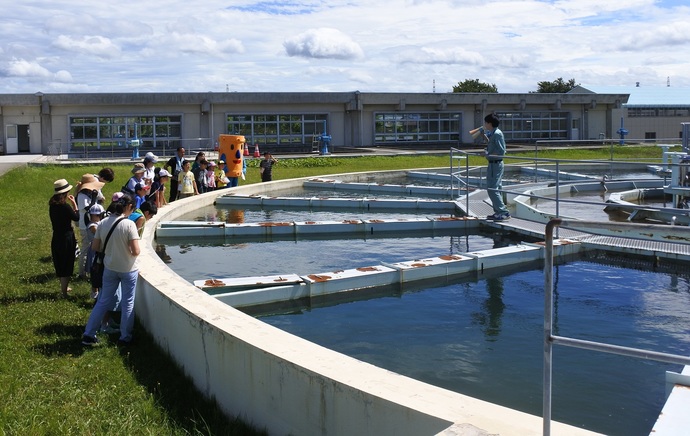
[323,43]
[190,43]
[398,45]
[32,70]
[667,37]
[92,45]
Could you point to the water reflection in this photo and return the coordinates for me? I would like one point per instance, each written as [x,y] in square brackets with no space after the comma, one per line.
[492,309]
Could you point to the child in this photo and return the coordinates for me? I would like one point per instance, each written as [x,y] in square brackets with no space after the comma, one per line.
[266,167]
[137,177]
[211,176]
[140,191]
[200,176]
[221,178]
[157,191]
[96,213]
[186,185]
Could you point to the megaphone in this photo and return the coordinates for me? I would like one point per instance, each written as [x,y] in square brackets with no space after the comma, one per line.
[476,132]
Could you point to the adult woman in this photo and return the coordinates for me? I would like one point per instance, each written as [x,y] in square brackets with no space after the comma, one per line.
[64,243]
[120,269]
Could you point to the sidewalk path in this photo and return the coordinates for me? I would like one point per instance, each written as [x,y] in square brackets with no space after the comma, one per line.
[7,162]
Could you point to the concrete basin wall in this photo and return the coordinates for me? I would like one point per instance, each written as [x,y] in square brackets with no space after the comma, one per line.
[286,384]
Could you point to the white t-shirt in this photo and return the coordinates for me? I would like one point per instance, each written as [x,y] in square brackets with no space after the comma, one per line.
[149,175]
[117,255]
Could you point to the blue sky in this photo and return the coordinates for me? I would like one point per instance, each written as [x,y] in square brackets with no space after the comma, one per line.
[339,45]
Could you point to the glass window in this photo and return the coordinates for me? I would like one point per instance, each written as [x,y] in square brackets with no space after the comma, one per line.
[417,127]
[106,131]
[532,126]
[280,129]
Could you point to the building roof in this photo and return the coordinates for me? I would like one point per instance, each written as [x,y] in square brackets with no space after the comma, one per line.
[643,95]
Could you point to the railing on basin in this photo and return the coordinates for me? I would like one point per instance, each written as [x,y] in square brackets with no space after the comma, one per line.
[640,231]
[457,175]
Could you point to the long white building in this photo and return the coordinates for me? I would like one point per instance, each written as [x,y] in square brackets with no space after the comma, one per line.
[84,125]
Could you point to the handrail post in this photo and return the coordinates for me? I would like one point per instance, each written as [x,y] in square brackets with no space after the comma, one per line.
[548,324]
[467,184]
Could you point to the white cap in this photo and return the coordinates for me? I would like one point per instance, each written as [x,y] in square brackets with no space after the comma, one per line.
[152,157]
[96,209]
[163,173]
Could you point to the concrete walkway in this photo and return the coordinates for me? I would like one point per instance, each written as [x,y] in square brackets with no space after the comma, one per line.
[7,162]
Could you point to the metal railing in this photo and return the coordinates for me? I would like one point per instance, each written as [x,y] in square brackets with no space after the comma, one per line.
[457,175]
[163,148]
[640,231]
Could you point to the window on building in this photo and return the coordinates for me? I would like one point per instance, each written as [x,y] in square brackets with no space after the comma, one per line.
[113,131]
[281,129]
[649,135]
[417,127]
[534,126]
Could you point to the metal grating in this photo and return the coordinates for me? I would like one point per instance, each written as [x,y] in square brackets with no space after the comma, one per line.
[637,244]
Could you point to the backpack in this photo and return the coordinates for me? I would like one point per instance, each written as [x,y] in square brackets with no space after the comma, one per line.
[93,200]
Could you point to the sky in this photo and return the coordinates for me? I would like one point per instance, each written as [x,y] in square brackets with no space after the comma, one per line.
[63,46]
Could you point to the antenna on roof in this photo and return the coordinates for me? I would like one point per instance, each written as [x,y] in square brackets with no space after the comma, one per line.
[668,81]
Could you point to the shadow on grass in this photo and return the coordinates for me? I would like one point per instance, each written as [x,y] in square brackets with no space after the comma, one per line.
[69,346]
[175,392]
[40,278]
[36,296]
[154,370]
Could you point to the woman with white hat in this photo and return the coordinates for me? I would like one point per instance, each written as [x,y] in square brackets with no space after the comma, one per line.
[63,244]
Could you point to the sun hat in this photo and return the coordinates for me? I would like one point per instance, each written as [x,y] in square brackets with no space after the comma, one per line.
[61,186]
[96,209]
[117,196]
[163,173]
[138,168]
[152,157]
[212,164]
[89,181]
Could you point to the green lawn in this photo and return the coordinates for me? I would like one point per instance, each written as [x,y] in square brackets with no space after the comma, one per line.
[49,384]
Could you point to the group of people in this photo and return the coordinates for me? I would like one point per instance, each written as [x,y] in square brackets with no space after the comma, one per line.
[203,175]
[115,231]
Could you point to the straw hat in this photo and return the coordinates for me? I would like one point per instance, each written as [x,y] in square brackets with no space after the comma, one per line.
[61,186]
[89,181]
[138,168]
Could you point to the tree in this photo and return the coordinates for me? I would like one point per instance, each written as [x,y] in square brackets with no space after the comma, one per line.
[474,86]
[558,86]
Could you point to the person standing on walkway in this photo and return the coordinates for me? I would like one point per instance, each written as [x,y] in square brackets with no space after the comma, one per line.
[63,244]
[495,150]
[120,270]
[174,165]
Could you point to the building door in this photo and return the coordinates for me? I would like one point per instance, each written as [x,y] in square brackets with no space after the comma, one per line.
[11,139]
[575,130]
[23,143]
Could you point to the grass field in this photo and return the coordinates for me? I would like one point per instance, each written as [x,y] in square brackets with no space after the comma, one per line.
[49,384]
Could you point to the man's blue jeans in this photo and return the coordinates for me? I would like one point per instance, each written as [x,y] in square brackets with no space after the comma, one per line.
[494,181]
